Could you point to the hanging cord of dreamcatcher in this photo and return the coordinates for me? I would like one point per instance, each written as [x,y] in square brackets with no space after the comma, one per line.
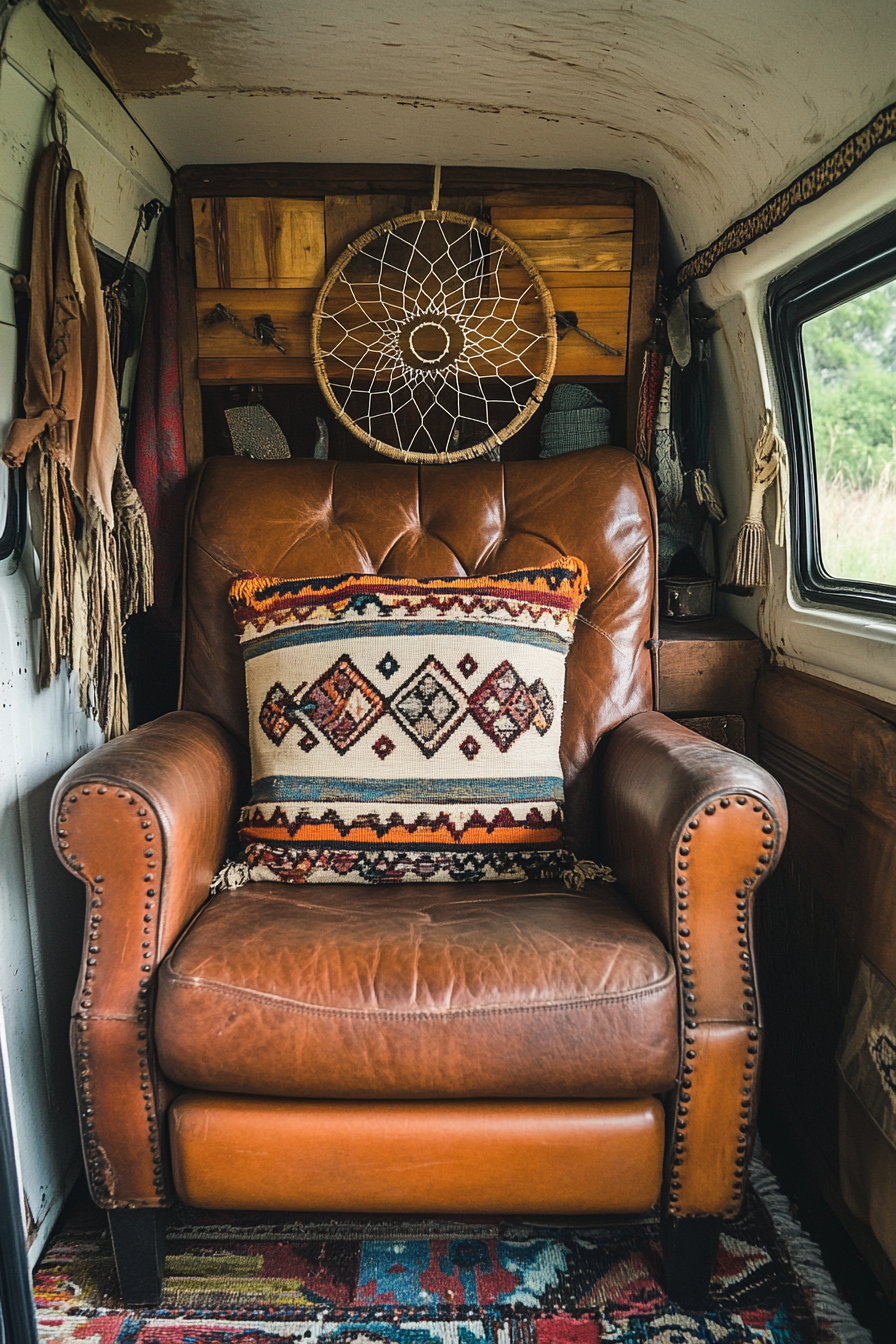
[146,213]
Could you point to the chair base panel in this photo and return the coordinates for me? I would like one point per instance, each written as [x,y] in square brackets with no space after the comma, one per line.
[138,1243]
[457,1157]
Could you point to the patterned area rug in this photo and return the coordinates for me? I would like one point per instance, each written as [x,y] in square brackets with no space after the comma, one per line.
[249,1278]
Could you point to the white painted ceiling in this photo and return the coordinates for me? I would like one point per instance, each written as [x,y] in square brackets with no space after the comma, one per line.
[717,103]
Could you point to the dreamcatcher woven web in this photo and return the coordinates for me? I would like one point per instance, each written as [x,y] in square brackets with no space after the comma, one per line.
[434,337]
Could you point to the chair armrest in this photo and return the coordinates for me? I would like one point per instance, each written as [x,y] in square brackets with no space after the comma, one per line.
[144,821]
[655,776]
[691,831]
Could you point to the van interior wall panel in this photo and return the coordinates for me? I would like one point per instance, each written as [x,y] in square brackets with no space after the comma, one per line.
[42,732]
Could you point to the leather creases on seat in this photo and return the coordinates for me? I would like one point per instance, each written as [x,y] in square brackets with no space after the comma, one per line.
[422,991]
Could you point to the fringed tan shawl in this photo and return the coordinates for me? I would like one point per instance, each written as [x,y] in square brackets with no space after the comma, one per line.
[96,555]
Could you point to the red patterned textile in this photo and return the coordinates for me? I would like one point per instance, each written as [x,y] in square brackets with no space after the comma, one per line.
[160,470]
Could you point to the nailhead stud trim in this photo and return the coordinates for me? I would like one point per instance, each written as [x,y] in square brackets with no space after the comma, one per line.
[94,1158]
[689,981]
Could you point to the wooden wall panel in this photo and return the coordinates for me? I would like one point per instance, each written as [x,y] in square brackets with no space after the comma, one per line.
[830,903]
[254,242]
[262,228]
[584,254]
[289,309]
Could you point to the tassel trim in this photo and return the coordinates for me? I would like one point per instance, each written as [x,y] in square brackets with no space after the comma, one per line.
[235,874]
[749,565]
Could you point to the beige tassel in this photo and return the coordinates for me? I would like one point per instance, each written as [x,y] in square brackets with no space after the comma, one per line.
[748,565]
[234,874]
[135,558]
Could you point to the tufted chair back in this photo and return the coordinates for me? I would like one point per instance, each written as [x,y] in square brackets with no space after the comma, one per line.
[303,518]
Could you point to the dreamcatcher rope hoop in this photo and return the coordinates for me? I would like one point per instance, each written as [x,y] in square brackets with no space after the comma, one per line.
[415,346]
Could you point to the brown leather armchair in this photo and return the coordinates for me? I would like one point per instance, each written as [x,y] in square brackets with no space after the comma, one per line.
[496,1047]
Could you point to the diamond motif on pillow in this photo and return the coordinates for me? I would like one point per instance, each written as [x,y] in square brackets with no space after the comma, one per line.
[429,706]
[388,665]
[279,712]
[545,706]
[342,704]
[403,766]
[504,706]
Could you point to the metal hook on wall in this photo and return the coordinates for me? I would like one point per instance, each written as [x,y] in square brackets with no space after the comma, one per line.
[58,117]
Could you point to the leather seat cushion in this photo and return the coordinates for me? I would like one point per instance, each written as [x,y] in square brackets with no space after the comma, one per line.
[491,990]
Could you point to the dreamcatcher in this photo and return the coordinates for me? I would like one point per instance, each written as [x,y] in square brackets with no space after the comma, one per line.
[434,337]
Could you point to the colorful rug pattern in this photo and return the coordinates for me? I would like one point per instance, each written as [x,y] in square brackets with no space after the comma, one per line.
[248,1278]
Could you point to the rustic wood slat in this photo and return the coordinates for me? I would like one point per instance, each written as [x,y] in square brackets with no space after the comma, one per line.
[364,301]
[526,231]
[246,303]
[605,303]
[546,195]
[348,217]
[275,243]
[289,310]
[250,249]
[207,272]
[584,254]
[299,243]
[501,185]
[502,214]
[264,369]
[191,393]
[584,279]
[578,357]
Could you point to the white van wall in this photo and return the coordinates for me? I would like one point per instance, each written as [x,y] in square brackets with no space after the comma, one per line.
[42,732]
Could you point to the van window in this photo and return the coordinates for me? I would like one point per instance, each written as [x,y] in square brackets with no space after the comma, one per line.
[833,327]
[850,355]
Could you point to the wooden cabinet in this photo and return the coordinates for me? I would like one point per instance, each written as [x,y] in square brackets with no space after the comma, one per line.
[708,667]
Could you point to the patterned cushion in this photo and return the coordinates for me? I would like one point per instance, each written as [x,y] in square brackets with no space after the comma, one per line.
[405,730]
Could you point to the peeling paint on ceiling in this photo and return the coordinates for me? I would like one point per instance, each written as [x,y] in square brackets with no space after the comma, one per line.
[127,45]
[717,103]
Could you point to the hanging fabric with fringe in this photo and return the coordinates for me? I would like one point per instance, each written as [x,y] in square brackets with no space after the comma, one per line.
[160,451]
[748,564]
[649,394]
[666,461]
[89,525]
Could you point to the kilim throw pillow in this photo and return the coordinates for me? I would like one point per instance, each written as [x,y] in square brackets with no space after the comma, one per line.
[406,730]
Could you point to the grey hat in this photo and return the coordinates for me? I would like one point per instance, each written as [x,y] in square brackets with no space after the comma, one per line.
[577,419]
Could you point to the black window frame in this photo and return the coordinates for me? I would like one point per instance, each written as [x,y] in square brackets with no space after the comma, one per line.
[858,263]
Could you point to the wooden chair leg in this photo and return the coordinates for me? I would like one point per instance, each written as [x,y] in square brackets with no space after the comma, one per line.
[138,1241]
[689,1252]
